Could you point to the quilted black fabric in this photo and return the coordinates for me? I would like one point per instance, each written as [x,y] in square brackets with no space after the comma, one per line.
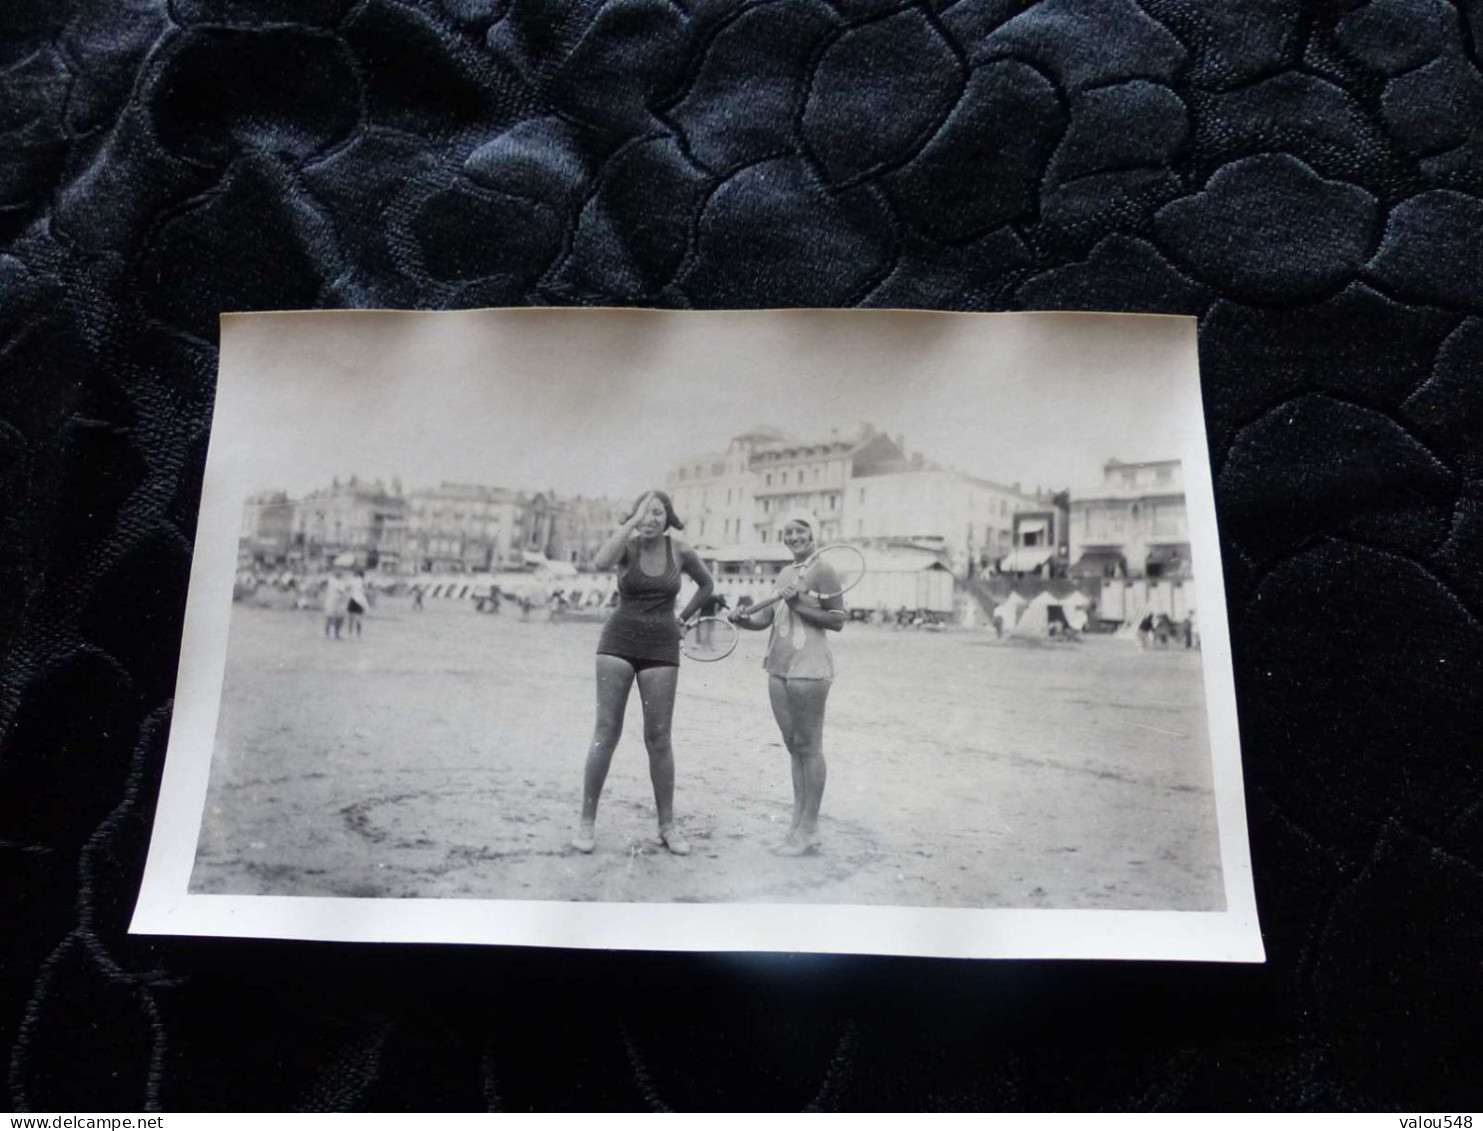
[1306,177]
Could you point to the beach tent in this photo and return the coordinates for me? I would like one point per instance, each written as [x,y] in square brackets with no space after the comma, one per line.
[1075,606]
[1008,611]
[1047,609]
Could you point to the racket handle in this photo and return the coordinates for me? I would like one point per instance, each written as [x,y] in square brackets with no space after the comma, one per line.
[765,603]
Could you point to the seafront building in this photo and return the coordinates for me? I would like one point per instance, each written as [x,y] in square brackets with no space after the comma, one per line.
[451,528]
[862,486]
[267,528]
[1129,538]
[463,527]
[363,520]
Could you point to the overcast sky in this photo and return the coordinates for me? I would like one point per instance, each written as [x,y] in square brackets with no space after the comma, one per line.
[605,402]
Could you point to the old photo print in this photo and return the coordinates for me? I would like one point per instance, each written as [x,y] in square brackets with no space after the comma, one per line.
[875,632]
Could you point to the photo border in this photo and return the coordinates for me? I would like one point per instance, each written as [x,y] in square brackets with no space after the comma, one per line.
[167,907]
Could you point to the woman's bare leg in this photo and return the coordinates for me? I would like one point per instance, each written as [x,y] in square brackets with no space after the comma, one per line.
[614,680]
[807,699]
[657,693]
[777,694]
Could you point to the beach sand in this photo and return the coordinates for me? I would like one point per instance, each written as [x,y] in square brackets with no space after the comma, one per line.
[441,754]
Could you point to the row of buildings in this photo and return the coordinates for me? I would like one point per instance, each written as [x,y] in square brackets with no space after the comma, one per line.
[1124,541]
[451,528]
[863,486]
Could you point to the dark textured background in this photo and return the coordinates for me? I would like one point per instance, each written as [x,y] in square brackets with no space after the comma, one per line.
[1306,177]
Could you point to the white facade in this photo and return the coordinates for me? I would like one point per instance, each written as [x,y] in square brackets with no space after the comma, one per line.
[813,475]
[1129,537]
[712,493]
[968,518]
[1138,514]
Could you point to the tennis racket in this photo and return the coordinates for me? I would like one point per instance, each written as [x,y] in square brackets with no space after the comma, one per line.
[830,571]
[707,639]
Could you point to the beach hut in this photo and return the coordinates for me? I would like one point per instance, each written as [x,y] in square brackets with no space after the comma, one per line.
[897,579]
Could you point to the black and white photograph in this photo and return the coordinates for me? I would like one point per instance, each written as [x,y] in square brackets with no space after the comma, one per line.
[835,631]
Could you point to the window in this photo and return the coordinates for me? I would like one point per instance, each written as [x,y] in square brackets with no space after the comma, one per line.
[768,479]
[816,475]
[718,469]
[833,502]
[861,498]
[784,479]
[764,536]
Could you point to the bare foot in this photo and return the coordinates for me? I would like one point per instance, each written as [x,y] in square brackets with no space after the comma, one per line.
[798,843]
[674,840]
[586,839]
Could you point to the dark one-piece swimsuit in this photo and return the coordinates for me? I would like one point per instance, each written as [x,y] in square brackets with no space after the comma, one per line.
[643,629]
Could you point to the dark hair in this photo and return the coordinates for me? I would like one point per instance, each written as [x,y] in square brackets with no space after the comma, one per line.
[670,518]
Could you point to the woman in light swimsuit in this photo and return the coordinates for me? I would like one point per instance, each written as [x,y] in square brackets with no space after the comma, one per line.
[800,671]
[641,643]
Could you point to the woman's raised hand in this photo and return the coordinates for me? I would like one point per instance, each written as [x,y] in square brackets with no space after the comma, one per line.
[639,512]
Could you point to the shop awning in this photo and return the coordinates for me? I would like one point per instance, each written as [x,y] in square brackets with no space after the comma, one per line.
[1168,557]
[1024,559]
[1100,563]
[1032,526]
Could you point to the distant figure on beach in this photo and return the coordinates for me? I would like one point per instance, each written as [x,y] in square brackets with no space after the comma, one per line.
[336,602]
[357,602]
[641,643]
[417,599]
[800,671]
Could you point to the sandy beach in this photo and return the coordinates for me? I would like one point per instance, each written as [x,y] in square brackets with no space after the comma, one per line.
[440,755]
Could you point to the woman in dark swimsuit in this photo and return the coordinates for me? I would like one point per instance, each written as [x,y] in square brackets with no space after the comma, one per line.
[641,642]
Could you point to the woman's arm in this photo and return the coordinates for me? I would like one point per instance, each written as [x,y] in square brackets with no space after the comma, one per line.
[611,552]
[704,584]
[743,618]
[830,616]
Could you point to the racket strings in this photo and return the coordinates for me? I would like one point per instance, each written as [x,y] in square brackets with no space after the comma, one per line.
[834,570]
[709,638]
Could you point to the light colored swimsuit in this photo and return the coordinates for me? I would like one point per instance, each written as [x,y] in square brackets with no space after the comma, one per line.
[797,649]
